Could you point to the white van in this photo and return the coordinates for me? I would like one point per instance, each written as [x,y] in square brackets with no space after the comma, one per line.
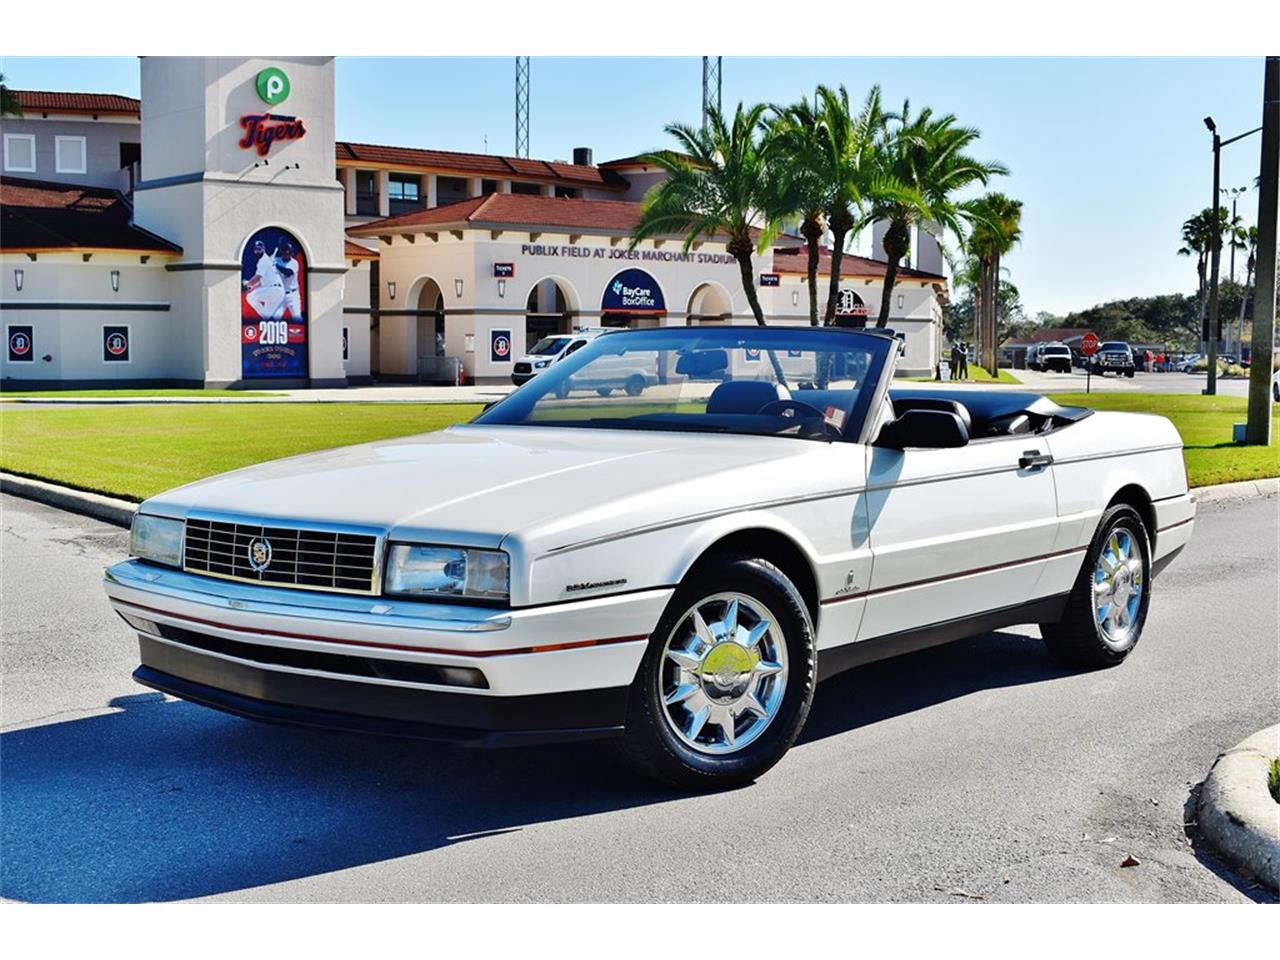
[547,351]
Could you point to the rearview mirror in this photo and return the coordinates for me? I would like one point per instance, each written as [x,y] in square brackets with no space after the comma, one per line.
[702,363]
[923,428]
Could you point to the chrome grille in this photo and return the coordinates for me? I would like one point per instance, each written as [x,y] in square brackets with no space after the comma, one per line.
[310,559]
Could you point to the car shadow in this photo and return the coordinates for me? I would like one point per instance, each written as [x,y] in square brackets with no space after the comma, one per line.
[162,800]
[902,685]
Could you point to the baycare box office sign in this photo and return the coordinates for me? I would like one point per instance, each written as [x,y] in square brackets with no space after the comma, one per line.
[273,317]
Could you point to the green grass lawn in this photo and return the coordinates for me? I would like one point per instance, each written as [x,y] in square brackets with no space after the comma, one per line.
[130,393]
[978,375]
[1205,426]
[135,451]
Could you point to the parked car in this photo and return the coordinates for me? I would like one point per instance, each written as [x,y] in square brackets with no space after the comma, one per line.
[1113,356]
[547,351]
[1049,356]
[678,571]
[1275,386]
[1188,363]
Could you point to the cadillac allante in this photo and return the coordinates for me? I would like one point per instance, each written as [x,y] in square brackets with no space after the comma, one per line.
[677,567]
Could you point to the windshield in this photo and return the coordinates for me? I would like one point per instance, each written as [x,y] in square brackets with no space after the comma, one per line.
[775,381]
[1112,347]
[1058,349]
[549,345]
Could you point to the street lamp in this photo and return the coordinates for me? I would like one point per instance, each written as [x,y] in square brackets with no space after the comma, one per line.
[1215,246]
[1234,194]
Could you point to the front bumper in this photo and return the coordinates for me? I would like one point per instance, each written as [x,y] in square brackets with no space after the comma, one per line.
[387,665]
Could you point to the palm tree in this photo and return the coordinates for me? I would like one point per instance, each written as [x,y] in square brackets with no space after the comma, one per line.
[997,227]
[1198,235]
[922,167]
[9,106]
[794,148]
[824,158]
[716,185]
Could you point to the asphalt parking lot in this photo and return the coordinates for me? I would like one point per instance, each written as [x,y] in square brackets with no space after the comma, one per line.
[978,770]
[1076,380]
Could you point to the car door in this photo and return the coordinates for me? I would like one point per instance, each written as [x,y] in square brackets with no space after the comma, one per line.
[958,532]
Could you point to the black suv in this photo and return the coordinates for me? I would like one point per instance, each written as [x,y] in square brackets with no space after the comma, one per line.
[1114,356]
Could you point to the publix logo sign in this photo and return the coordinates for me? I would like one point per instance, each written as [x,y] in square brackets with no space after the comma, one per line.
[273,86]
[633,291]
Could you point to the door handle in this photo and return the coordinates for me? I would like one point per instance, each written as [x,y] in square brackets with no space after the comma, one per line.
[1033,459]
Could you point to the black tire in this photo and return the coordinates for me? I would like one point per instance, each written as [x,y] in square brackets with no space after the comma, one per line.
[653,748]
[634,385]
[563,388]
[604,391]
[1076,639]
[1129,374]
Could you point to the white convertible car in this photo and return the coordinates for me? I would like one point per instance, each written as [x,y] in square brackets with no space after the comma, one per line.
[677,569]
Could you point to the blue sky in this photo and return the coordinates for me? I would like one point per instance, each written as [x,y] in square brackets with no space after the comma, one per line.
[1109,156]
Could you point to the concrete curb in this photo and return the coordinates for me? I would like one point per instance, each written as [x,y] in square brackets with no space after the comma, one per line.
[1237,814]
[1242,490]
[95,505]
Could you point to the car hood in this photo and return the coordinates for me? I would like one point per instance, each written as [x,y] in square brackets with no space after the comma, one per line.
[477,485]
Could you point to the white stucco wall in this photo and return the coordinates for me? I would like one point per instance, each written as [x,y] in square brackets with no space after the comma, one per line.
[72,335]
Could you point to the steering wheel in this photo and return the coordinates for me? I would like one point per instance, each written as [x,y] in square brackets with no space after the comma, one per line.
[800,409]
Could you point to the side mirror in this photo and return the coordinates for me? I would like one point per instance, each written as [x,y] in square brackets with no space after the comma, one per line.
[923,428]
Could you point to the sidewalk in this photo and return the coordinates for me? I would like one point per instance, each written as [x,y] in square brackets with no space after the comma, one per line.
[391,393]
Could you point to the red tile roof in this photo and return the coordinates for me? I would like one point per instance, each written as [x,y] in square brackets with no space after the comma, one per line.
[356,251]
[516,209]
[38,215]
[477,164]
[47,101]
[796,260]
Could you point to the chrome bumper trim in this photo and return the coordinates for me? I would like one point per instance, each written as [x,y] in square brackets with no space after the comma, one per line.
[224,594]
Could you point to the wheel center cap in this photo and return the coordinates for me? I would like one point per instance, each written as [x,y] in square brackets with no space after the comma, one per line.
[727,670]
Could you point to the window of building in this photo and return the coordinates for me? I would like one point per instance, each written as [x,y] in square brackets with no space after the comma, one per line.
[566,192]
[451,189]
[20,152]
[69,155]
[488,186]
[403,186]
[130,153]
[518,187]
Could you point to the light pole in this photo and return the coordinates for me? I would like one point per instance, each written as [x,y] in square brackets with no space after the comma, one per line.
[1215,245]
[1234,194]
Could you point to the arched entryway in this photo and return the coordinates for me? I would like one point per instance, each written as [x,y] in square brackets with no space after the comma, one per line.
[549,309]
[709,303]
[851,310]
[632,298]
[429,309]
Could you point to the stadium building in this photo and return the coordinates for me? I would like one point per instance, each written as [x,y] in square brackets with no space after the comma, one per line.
[216,233]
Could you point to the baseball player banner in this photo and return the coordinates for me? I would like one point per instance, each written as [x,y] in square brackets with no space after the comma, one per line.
[273,320]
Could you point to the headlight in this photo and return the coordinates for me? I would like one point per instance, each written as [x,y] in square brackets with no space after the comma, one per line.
[157,539]
[447,572]
[539,364]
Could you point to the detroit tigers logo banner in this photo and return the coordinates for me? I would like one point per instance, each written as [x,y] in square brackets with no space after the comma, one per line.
[273,311]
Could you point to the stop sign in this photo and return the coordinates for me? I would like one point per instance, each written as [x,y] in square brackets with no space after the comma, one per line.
[1089,345]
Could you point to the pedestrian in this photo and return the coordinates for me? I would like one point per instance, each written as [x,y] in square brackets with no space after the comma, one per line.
[956,354]
[964,362]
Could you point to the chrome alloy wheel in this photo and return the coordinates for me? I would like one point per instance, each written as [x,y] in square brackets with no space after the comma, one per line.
[723,673]
[1117,589]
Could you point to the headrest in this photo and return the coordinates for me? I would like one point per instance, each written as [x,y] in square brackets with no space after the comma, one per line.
[743,396]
